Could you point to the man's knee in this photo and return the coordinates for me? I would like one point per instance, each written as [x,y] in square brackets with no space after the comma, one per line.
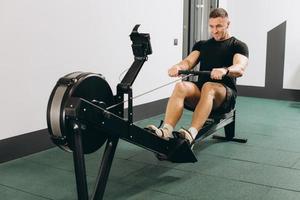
[184,88]
[209,89]
[180,87]
[214,91]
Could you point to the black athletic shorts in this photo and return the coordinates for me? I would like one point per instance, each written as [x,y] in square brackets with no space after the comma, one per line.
[226,106]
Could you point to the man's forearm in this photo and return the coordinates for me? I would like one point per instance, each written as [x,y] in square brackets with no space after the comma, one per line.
[236,70]
[185,65]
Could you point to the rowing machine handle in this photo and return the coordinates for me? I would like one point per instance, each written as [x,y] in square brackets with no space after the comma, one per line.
[195,73]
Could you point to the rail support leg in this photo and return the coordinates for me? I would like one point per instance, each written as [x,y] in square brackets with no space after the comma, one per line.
[79,165]
[106,163]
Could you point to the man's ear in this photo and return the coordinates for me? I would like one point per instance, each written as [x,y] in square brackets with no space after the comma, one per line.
[228,23]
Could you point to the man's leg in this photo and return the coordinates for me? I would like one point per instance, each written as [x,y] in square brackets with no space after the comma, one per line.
[175,107]
[175,104]
[212,97]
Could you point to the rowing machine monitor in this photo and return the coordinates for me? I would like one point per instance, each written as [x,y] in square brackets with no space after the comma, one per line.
[141,45]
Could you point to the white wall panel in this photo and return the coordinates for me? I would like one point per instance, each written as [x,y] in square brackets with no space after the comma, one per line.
[42,40]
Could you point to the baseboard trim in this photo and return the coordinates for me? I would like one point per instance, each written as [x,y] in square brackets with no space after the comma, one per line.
[262,92]
[33,142]
[23,145]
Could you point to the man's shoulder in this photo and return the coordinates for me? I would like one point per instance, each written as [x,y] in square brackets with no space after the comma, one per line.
[236,41]
[201,42]
[198,46]
[240,47]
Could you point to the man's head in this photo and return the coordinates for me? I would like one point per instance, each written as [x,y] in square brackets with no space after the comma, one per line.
[218,24]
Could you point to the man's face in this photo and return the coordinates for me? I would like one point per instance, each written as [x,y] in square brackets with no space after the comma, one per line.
[219,28]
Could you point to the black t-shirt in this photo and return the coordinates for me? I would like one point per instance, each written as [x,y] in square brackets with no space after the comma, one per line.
[218,54]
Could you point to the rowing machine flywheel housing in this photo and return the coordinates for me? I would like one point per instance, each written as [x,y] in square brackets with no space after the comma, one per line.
[88,86]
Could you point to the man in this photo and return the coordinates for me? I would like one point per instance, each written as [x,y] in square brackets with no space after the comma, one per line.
[226,57]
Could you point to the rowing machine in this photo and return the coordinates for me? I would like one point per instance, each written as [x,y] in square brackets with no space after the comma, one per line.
[83,114]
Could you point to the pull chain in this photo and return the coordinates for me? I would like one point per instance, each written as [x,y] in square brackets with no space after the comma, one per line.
[152,90]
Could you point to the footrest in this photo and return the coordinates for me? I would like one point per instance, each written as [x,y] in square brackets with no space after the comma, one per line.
[182,152]
[223,138]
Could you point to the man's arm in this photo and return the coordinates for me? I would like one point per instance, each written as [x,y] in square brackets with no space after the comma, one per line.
[240,63]
[186,64]
[237,69]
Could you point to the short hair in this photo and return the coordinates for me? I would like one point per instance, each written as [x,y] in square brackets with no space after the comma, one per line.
[218,12]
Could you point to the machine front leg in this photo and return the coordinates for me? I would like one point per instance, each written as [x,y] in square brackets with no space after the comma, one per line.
[106,163]
[79,164]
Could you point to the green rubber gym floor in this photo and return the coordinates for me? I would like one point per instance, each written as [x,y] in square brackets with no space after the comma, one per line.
[266,168]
